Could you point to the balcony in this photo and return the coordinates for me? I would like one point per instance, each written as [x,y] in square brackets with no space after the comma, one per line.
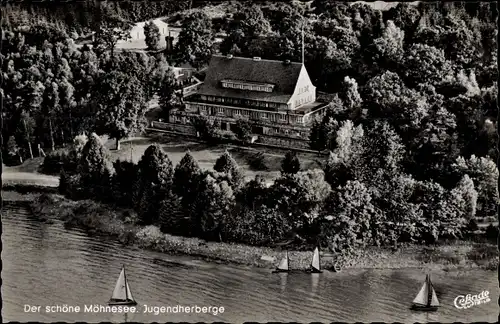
[198,99]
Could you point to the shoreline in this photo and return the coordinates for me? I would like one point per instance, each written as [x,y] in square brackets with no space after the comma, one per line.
[99,219]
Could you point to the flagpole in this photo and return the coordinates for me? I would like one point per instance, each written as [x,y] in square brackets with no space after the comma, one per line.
[302,42]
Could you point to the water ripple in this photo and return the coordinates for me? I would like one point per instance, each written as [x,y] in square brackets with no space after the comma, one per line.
[46,264]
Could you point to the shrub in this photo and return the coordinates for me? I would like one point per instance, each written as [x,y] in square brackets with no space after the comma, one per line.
[291,163]
[63,182]
[150,236]
[206,128]
[53,162]
[257,162]
[492,232]
[73,188]
[228,165]
[243,130]
[262,226]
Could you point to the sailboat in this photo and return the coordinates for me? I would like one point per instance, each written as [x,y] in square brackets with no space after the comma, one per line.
[315,267]
[426,299]
[283,266]
[122,294]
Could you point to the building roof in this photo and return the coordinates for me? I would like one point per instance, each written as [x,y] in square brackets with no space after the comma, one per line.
[283,76]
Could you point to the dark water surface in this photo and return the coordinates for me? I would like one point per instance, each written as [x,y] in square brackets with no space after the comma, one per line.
[45,264]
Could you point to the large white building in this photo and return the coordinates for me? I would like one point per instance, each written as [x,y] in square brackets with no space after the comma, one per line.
[277,97]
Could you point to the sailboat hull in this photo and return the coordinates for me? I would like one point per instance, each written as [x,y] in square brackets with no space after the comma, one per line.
[313,271]
[424,308]
[122,303]
[280,271]
[335,268]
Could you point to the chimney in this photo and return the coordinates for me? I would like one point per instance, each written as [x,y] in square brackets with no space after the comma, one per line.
[256,58]
[230,56]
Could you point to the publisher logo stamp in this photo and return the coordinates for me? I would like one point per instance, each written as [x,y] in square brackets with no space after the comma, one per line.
[464,302]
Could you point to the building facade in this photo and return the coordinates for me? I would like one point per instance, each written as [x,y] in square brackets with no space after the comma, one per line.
[277,98]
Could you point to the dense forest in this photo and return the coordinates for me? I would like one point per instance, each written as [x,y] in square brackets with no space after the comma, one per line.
[411,130]
[83,17]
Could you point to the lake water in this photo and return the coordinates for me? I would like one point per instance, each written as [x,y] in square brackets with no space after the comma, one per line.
[45,264]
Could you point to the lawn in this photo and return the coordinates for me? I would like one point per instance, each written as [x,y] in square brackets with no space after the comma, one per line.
[206,155]
[27,174]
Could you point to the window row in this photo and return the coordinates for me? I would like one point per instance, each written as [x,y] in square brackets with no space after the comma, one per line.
[256,115]
[250,103]
[247,86]
[302,101]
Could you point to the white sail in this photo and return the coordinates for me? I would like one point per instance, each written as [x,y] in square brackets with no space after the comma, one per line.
[434,300]
[422,295]
[120,293]
[129,293]
[315,259]
[283,263]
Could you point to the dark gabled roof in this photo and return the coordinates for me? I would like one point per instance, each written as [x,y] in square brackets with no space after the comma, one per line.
[283,75]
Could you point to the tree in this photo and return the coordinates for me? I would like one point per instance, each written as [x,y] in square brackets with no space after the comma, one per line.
[348,137]
[107,36]
[243,130]
[120,105]
[206,127]
[351,98]
[152,34]
[291,163]
[227,164]
[390,98]
[458,208]
[72,160]
[195,41]
[430,196]
[67,104]
[336,171]
[389,47]
[185,177]
[425,64]
[484,174]
[154,183]
[434,147]
[124,180]
[95,168]
[260,226]
[50,109]
[300,196]
[172,218]
[406,17]
[383,149]
[323,132]
[347,154]
[461,43]
[166,92]
[253,194]
[346,219]
[13,148]
[393,194]
[248,24]
[63,182]
[212,204]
